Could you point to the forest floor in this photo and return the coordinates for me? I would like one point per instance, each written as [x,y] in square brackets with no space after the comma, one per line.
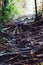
[21,42]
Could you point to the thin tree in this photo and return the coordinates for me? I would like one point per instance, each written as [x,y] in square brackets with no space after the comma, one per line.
[36,8]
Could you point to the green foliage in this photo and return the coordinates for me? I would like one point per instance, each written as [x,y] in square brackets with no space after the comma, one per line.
[1,27]
[0,15]
[40,12]
[12,9]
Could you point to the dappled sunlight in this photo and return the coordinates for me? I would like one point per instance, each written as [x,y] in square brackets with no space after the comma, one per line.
[30,7]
